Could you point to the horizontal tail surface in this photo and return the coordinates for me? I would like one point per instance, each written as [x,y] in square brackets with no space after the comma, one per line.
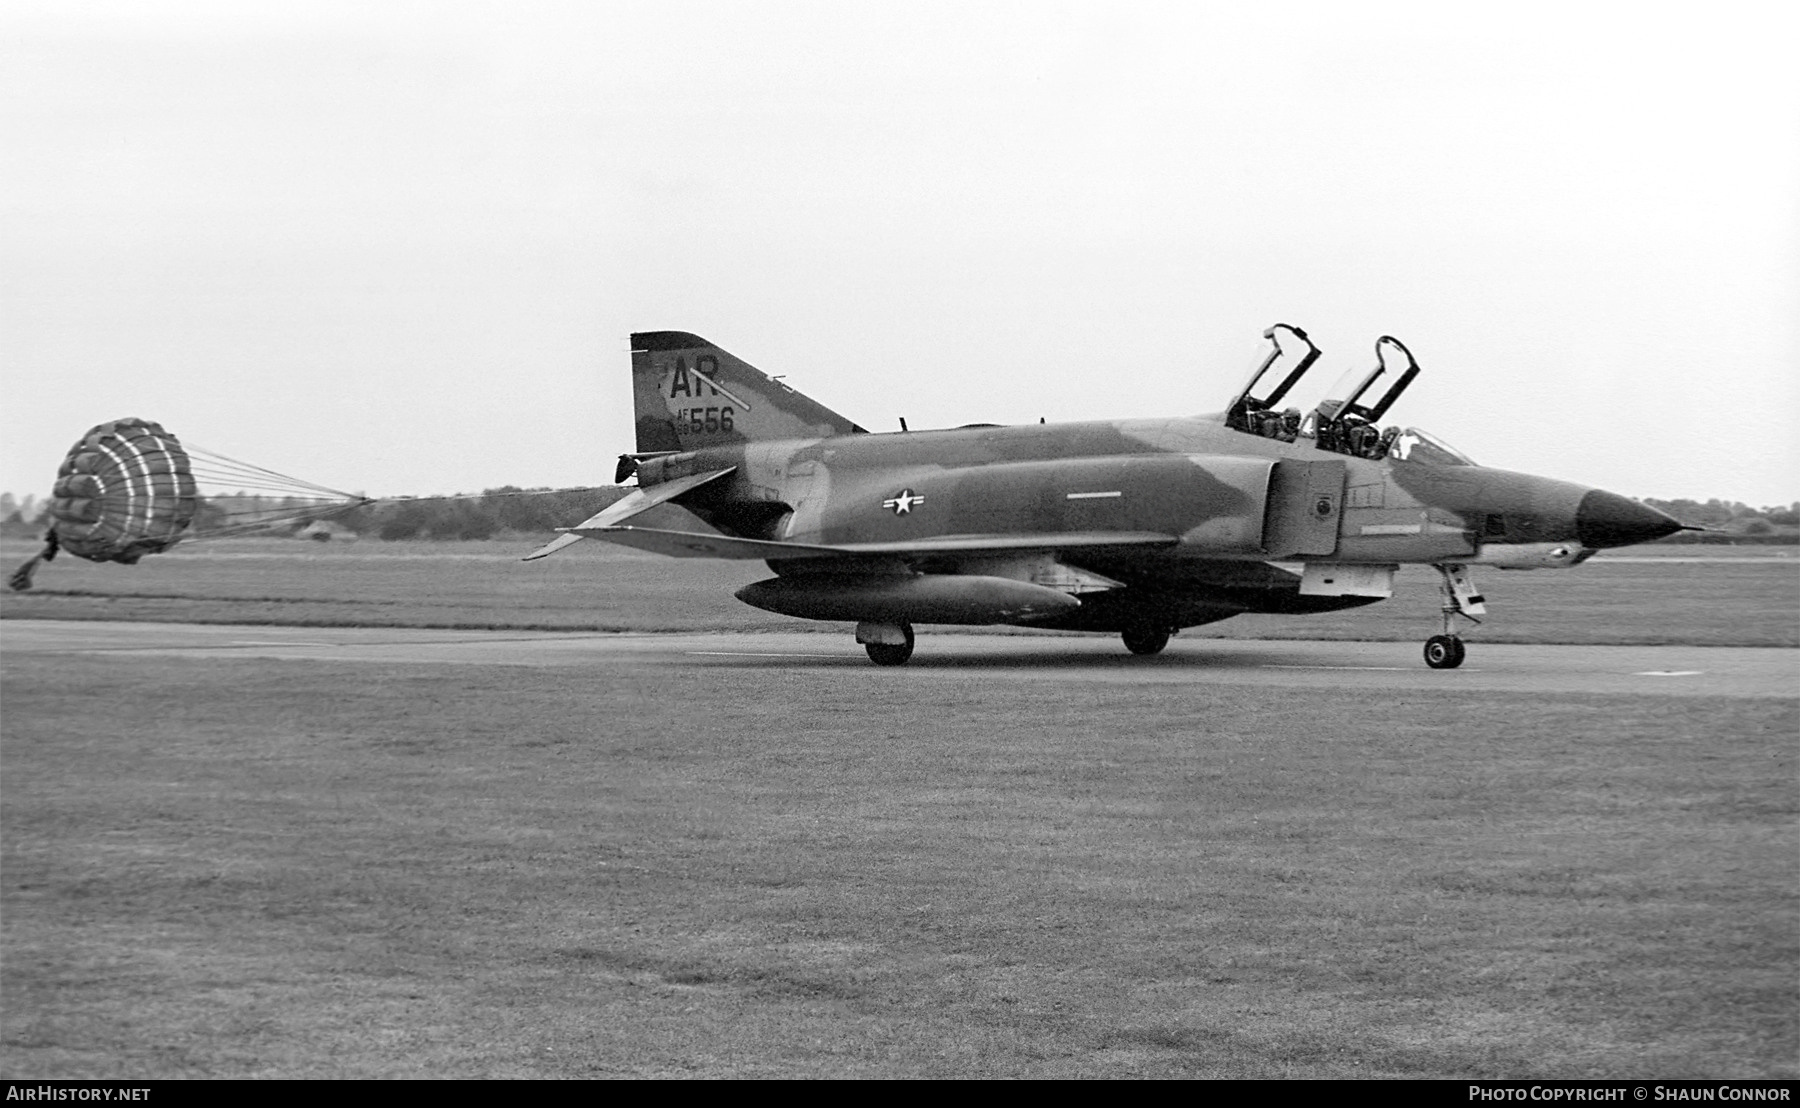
[691,394]
[628,507]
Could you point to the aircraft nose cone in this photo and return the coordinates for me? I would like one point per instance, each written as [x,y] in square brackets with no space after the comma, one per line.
[1608,519]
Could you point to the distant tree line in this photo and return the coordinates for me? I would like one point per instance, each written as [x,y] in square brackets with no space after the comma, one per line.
[14,510]
[493,512]
[508,509]
[1730,516]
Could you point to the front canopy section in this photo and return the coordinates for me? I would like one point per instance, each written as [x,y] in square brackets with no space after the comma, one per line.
[1414,445]
[1253,411]
[1344,422]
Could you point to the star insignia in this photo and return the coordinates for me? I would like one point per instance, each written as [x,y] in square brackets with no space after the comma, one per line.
[903,503]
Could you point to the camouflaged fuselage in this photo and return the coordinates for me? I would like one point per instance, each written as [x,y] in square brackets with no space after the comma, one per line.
[1191,477]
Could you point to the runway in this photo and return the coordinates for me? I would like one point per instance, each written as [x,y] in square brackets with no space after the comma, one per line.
[1681,671]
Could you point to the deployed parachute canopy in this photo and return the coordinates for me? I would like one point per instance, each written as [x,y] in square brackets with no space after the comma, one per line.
[129,488]
[125,490]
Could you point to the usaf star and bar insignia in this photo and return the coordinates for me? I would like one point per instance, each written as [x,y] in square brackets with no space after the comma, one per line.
[903,503]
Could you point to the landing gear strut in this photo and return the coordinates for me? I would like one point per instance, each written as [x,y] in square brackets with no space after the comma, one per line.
[888,644]
[1446,651]
[1145,640]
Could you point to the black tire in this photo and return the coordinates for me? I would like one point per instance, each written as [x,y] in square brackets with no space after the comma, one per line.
[891,654]
[1444,652]
[1145,640]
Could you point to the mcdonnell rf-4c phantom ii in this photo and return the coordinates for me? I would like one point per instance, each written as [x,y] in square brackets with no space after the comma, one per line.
[1137,527]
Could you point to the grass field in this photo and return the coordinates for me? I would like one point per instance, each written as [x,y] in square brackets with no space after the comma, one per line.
[245,867]
[255,868]
[1733,599]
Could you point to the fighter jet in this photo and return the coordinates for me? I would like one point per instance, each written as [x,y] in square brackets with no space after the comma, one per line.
[1139,528]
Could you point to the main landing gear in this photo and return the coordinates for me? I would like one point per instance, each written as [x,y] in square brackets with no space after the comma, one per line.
[888,644]
[1446,651]
[1146,640]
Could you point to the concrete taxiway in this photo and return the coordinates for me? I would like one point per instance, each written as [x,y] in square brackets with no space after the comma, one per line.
[1192,660]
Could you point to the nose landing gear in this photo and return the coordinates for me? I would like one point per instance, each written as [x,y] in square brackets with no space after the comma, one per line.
[1446,651]
[1146,640]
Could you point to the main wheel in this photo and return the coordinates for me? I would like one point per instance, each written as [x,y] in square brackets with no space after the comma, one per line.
[891,654]
[1444,652]
[1145,640]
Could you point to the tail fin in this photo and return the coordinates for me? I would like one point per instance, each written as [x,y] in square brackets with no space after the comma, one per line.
[690,394]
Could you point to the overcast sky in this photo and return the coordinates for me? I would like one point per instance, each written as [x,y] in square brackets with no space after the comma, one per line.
[399,248]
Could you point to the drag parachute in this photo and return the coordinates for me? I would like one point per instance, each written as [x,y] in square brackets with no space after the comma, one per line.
[125,490]
[129,488]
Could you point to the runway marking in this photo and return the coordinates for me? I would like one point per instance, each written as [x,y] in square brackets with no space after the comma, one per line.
[758,654]
[1383,669]
[1670,673]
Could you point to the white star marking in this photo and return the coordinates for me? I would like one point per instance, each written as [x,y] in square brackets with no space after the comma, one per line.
[903,504]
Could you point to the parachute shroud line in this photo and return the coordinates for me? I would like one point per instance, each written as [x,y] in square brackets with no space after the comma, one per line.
[129,488]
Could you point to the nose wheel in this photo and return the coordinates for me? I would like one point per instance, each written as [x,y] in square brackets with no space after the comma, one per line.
[1446,651]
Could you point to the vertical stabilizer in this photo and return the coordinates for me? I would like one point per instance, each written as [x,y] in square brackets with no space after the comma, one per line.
[691,394]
